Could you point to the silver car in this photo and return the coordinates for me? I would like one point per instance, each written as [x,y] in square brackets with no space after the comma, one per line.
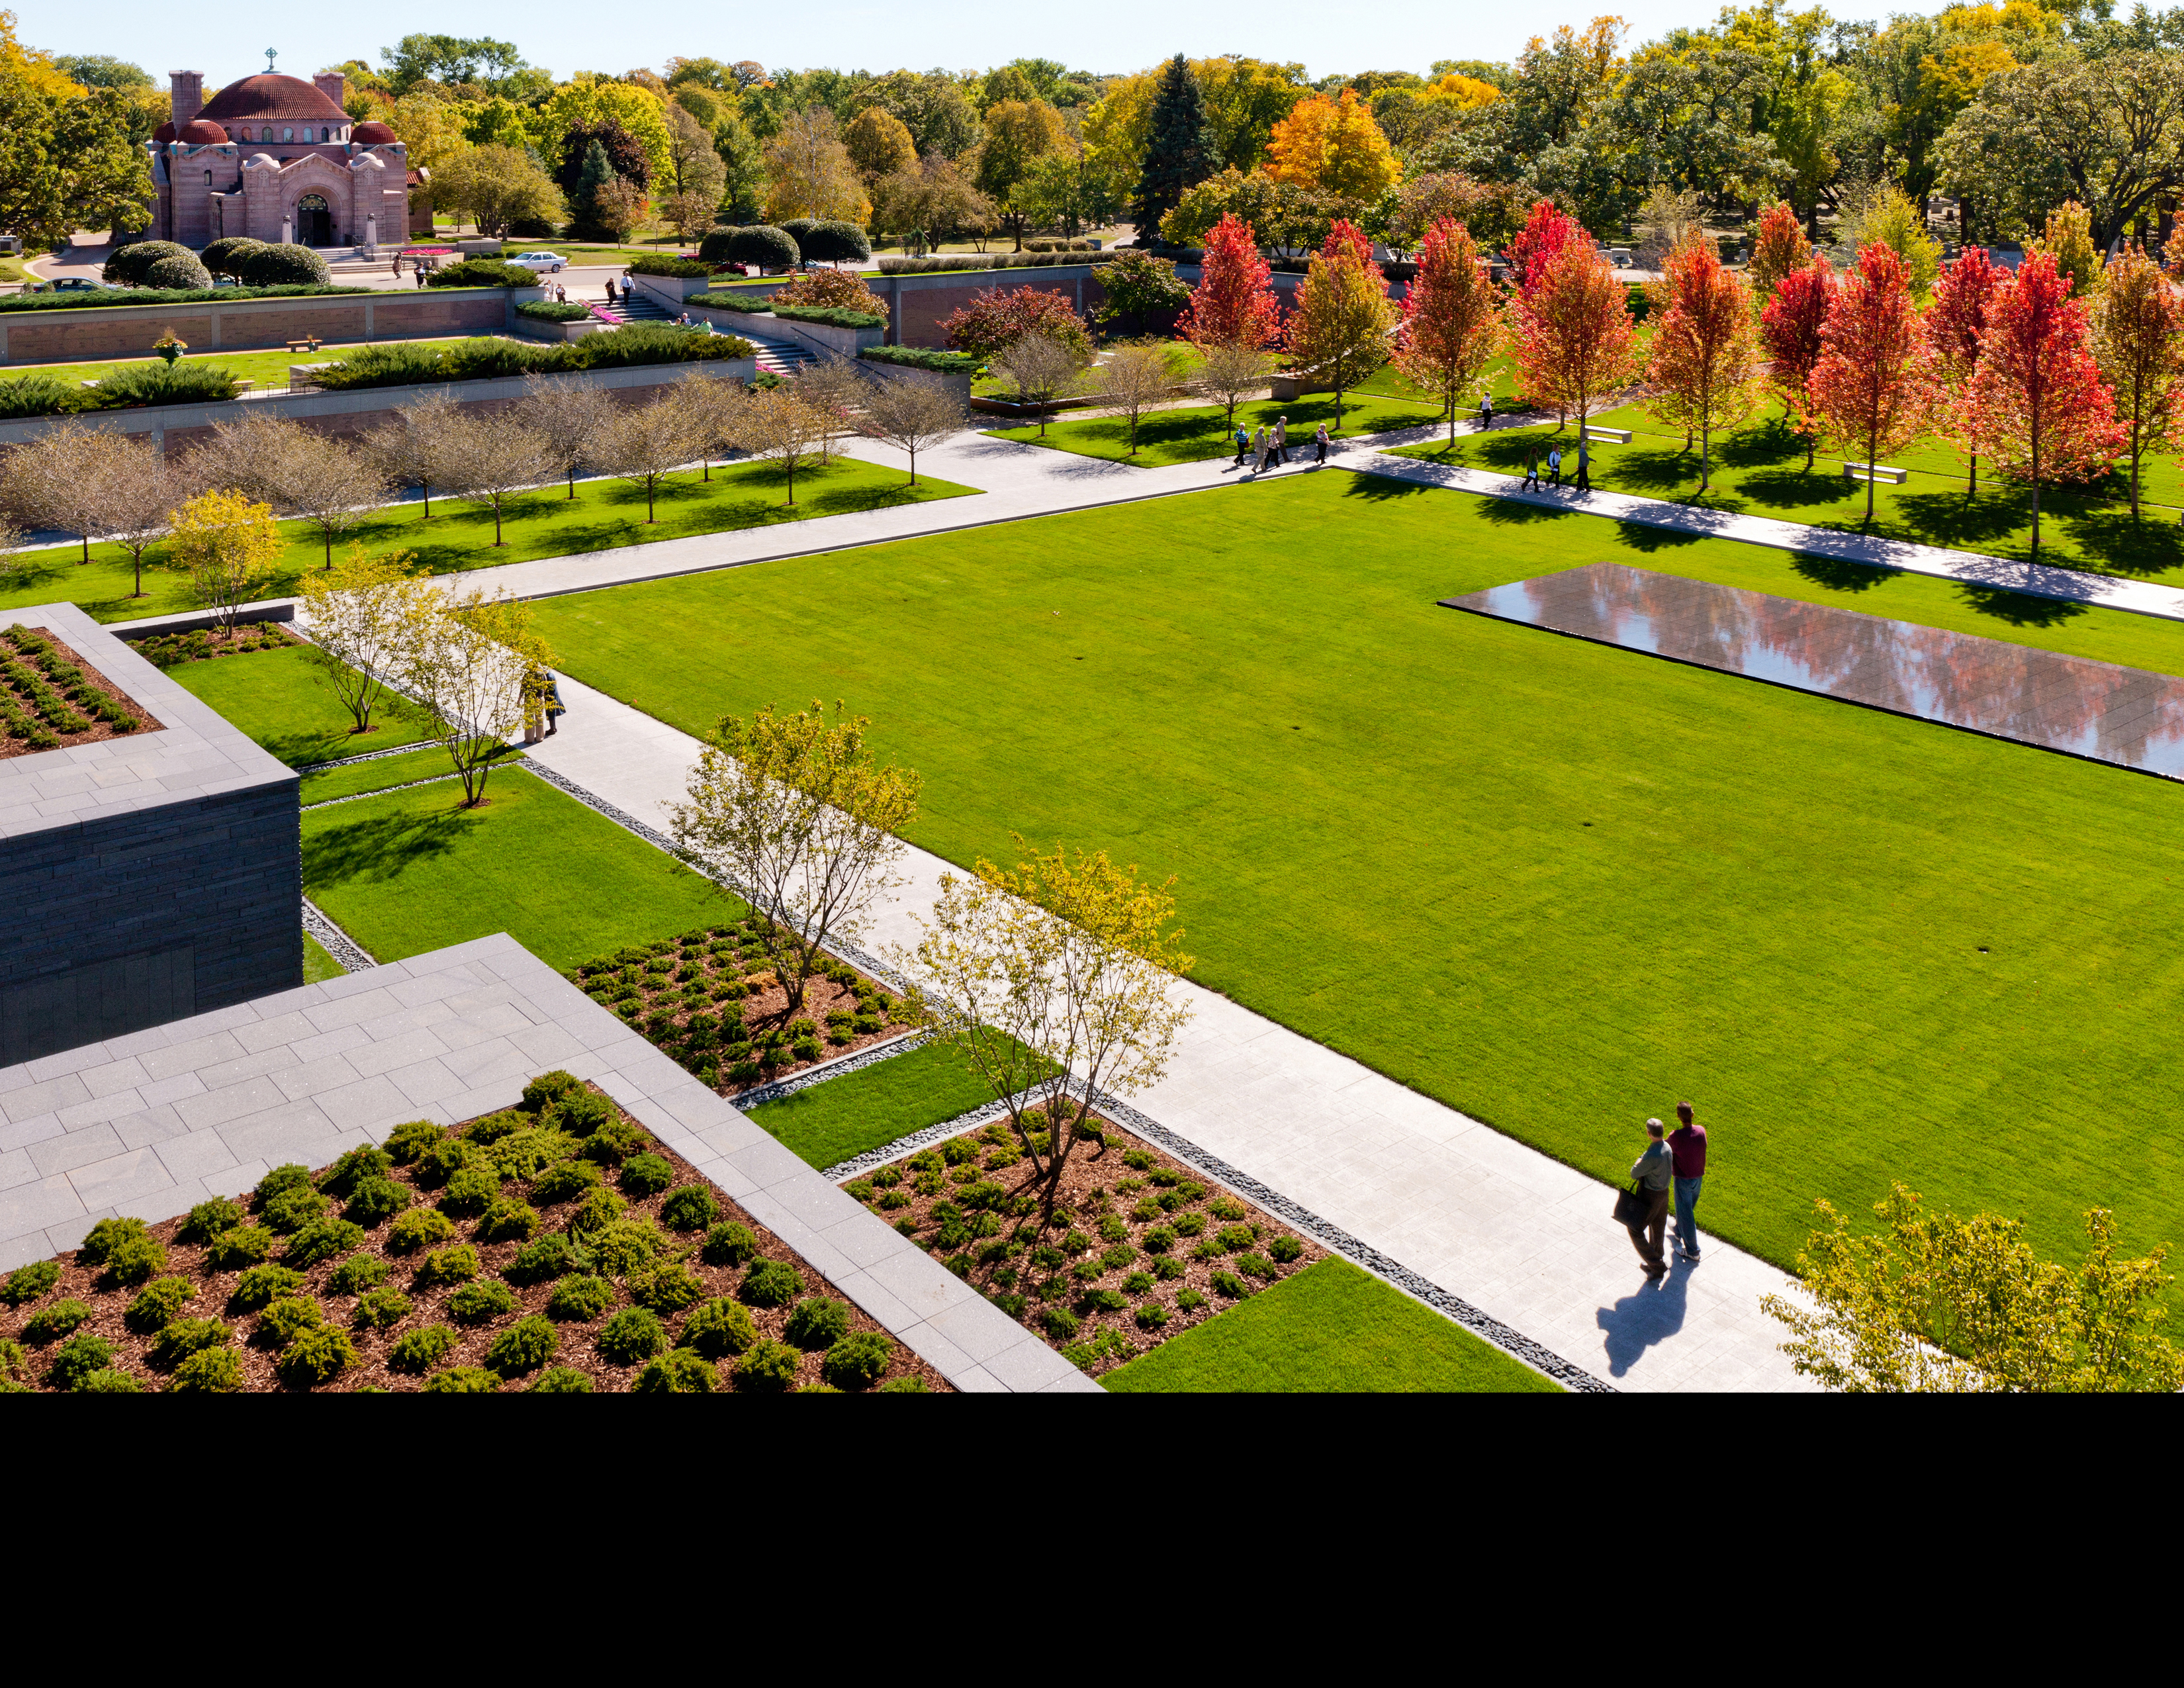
[546,263]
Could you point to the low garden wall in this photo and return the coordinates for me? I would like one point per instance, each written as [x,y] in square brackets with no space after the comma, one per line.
[53,337]
[919,304]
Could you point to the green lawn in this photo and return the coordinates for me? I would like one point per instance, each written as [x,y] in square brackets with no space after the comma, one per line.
[830,1123]
[602,515]
[384,774]
[1199,431]
[1556,885]
[267,369]
[410,872]
[282,699]
[1329,1330]
[317,963]
[1760,471]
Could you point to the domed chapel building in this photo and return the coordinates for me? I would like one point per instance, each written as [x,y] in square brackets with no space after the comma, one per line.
[275,158]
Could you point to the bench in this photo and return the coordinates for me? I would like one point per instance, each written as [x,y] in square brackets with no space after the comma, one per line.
[1593,431]
[1876,472]
[309,343]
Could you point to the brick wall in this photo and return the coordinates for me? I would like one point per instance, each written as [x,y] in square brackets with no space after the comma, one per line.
[247,324]
[919,304]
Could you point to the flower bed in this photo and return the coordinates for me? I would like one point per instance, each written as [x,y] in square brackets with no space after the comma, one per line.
[202,644]
[50,697]
[709,1000]
[1142,1247]
[552,1247]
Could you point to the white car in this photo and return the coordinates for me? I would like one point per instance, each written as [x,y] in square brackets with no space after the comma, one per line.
[548,263]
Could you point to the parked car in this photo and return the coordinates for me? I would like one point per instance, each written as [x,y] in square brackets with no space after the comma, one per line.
[76,284]
[547,263]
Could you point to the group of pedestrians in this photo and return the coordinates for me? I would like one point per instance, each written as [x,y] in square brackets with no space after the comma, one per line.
[1272,445]
[1582,482]
[1673,1165]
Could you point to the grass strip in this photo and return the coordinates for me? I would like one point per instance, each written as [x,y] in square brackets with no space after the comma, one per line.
[830,1123]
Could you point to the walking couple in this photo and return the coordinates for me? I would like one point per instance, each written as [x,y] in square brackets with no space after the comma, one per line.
[1674,1163]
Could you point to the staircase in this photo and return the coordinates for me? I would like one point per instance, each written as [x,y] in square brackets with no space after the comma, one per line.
[775,357]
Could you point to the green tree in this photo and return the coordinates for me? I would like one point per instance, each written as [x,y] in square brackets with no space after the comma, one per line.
[591,181]
[1018,134]
[68,162]
[1181,146]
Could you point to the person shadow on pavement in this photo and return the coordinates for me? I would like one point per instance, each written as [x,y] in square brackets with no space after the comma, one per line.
[1648,1314]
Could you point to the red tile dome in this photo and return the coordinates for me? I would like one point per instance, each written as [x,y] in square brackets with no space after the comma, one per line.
[198,132]
[371,134]
[162,134]
[279,98]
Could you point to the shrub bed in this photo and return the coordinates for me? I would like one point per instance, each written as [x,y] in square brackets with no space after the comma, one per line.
[833,318]
[482,272]
[553,310]
[150,297]
[685,268]
[608,1296]
[710,999]
[919,358]
[990,260]
[1142,1247]
[171,650]
[483,358]
[742,302]
[50,697]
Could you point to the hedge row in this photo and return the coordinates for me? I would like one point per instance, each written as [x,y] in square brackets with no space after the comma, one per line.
[742,302]
[129,387]
[482,272]
[650,266]
[405,363]
[160,297]
[553,310]
[991,260]
[833,315]
[917,358]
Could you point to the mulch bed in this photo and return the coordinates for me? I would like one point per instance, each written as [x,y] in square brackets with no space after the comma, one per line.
[171,650]
[1143,1247]
[709,1000]
[51,697]
[678,1272]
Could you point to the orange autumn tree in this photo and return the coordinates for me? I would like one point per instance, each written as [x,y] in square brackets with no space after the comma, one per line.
[1790,330]
[1233,303]
[1570,329]
[2138,341]
[1339,333]
[1451,318]
[1956,323]
[1871,386]
[1705,365]
[1547,230]
[2036,404]
[1779,248]
[1334,145]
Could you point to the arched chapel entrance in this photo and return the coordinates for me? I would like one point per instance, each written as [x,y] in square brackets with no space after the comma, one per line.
[315,222]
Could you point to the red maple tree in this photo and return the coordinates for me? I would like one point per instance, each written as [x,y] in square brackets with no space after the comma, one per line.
[1545,232]
[1963,294]
[1778,248]
[1705,365]
[1790,333]
[1870,387]
[1233,303]
[1451,317]
[2036,403]
[1571,330]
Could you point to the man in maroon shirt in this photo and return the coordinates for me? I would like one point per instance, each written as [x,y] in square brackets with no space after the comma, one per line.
[1687,1143]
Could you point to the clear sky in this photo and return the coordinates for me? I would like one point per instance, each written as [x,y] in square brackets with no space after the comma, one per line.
[1329,35]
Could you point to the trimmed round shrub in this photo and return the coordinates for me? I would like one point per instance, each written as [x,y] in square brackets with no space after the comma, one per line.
[358,1164]
[644,1175]
[579,1300]
[455,1264]
[277,265]
[470,1192]
[668,1287]
[226,256]
[262,1285]
[134,1260]
[563,1182]
[631,1334]
[187,1336]
[208,1219]
[678,1372]
[717,1328]
[769,1365]
[284,1319]
[729,1244]
[818,1322]
[109,1381]
[599,1209]
[420,1350]
[799,229]
[158,1302]
[526,1154]
[55,1320]
[106,1236]
[441,1161]
[551,1256]
[479,1302]
[581,1112]
[380,1309]
[857,1361]
[834,242]
[411,1138]
[524,1346]
[356,1275]
[1285,1249]
[245,1246]
[759,245]
[28,1283]
[548,1088]
[322,1239]
[209,1371]
[292,1209]
[624,1246]
[770,1284]
[508,1221]
[77,1358]
[281,1180]
[614,1140]
[419,1228]
[130,265]
[462,1380]
[691,1208]
[317,1355]
[560,1380]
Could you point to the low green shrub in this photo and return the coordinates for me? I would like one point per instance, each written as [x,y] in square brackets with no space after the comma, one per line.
[730,1244]
[380,1309]
[1285,1249]
[376,1200]
[718,1328]
[1190,1301]
[1058,1322]
[134,1260]
[1152,1315]
[106,1235]
[624,1246]
[908,1384]
[833,316]
[209,1371]
[462,1380]
[1102,1301]
[482,272]
[659,264]
[678,1372]
[37,395]
[208,1220]
[633,1334]
[770,1284]
[317,1355]
[77,1359]
[579,1299]
[1235,1238]
[55,1320]
[107,1381]
[422,1349]
[754,305]
[1230,1285]
[360,1272]
[644,1175]
[667,1287]
[563,1182]
[285,1316]
[553,310]
[1187,1225]
[160,300]
[322,1239]
[470,1192]
[548,1257]
[419,1228]
[550,1088]
[581,1112]
[157,1303]
[767,1366]
[280,1181]
[458,1264]
[690,1208]
[1227,1209]
[1157,1240]
[411,1138]
[14,1364]
[818,1322]
[292,1210]
[1257,1266]
[613,1140]
[442,1160]
[524,1346]
[857,1360]
[28,1283]
[482,1300]
[598,1209]
[262,1284]
[186,1337]
[358,1165]
[508,1221]
[560,1380]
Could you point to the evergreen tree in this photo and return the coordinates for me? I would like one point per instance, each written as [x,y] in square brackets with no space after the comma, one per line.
[1181,147]
[596,174]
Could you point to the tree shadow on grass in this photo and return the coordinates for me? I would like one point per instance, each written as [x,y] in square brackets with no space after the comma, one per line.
[380,848]
[1759,447]
[2111,540]
[1793,488]
[1651,473]
[1839,574]
[1640,536]
[1382,489]
[2021,609]
[1980,524]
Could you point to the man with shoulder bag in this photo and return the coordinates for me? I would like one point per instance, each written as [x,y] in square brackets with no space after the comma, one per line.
[1643,1210]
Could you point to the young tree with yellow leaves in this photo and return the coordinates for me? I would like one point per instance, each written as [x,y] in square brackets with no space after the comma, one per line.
[1344,316]
[1335,146]
[364,616]
[227,546]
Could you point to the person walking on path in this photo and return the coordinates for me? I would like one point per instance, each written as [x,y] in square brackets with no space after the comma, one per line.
[1654,1170]
[1687,1147]
[1259,450]
[1243,443]
[1486,414]
[1554,466]
[1584,466]
[420,274]
[1282,440]
[1319,439]
[1532,468]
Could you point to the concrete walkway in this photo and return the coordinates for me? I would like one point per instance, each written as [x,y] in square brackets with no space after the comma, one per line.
[1517,1234]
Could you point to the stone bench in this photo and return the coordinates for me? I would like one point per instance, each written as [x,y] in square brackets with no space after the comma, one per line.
[1595,432]
[305,377]
[1876,472]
